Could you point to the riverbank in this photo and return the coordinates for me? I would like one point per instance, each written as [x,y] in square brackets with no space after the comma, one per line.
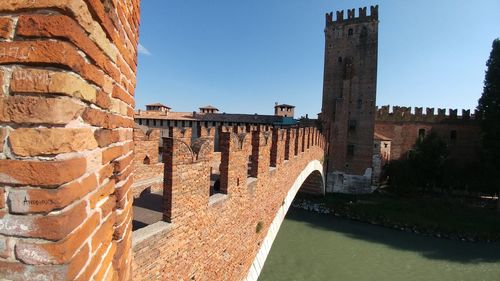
[441,217]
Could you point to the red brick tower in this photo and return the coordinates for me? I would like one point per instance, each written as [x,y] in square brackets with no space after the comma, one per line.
[349,92]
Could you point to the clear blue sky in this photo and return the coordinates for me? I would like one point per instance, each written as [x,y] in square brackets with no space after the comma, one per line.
[242,56]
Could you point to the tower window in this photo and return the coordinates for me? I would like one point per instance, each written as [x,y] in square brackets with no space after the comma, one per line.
[360,104]
[350,150]
[340,59]
[352,125]
[453,136]
[146,160]
[350,32]
[421,133]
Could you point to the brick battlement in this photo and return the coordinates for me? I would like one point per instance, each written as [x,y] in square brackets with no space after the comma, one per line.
[351,16]
[402,113]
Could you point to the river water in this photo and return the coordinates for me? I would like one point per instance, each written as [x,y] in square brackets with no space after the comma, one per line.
[312,246]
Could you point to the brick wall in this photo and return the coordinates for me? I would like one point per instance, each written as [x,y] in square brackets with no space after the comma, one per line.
[216,237]
[67,78]
[403,136]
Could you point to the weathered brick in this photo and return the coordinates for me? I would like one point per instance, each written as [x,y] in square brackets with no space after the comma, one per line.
[122,247]
[105,173]
[26,80]
[74,7]
[59,252]
[105,120]
[43,141]
[104,233]
[78,262]
[2,75]
[123,214]
[51,227]
[103,100]
[95,260]
[49,52]
[38,110]
[126,199]
[122,191]
[6,26]
[101,193]
[108,206]
[122,163]
[106,262]
[106,137]
[120,94]
[111,154]
[7,245]
[37,25]
[2,198]
[124,174]
[41,173]
[3,135]
[65,70]
[16,271]
[46,200]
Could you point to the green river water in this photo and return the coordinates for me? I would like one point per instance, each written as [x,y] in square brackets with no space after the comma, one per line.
[312,246]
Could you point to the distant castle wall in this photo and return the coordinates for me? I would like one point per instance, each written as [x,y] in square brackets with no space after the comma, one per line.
[406,114]
[403,126]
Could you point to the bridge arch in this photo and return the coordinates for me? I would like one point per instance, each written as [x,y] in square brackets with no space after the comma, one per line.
[310,176]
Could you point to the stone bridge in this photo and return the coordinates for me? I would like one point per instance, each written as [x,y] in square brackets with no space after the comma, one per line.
[67,82]
[227,234]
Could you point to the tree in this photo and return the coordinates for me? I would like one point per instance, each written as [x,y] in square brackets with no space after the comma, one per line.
[423,169]
[489,109]
[428,159]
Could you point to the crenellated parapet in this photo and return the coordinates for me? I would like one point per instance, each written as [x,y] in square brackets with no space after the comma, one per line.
[246,152]
[416,114]
[187,171]
[340,16]
[260,157]
[278,147]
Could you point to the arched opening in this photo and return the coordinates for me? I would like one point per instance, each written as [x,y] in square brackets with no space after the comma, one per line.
[146,160]
[313,184]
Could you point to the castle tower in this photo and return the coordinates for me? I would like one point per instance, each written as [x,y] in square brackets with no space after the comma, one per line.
[349,92]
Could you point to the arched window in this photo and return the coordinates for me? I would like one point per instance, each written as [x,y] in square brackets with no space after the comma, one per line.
[146,160]
[350,32]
